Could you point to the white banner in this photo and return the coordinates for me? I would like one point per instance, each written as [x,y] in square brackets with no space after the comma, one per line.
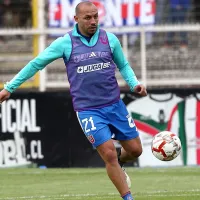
[111,12]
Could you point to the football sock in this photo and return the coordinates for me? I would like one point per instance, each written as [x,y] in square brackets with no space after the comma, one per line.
[127,196]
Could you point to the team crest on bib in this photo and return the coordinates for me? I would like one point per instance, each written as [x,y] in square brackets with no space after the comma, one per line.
[91,139]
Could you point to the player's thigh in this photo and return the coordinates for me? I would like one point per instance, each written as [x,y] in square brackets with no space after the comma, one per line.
[121,123]
[108,152]
[133,146]
[94,127]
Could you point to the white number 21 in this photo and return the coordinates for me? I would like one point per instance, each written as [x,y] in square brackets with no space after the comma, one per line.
[86,121]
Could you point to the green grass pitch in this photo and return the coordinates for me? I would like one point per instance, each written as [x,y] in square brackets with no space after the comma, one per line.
[178,183]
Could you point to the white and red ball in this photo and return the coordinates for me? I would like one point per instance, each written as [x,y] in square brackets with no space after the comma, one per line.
[166,146]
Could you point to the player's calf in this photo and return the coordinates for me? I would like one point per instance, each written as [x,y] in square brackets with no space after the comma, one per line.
[128,180]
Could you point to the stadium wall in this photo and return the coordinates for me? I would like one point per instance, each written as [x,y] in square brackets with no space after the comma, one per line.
[41,129]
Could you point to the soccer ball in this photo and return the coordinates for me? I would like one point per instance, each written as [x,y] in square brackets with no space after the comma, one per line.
[166,146]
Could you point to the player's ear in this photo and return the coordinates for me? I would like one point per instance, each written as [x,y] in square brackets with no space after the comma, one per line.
[76,18]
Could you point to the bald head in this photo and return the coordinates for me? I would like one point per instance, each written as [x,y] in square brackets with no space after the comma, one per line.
[87,18]
[81,5]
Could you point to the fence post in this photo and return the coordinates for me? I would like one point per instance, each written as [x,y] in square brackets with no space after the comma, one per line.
[143,56]
[125,44]
[42,39]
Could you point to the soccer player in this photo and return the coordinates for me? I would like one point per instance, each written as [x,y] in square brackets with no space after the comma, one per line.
[91,55]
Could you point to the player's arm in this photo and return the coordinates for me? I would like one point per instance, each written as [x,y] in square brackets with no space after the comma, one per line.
[124,67]
[51,53]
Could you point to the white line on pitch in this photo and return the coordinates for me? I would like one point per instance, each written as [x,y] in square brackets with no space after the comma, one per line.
[56,197]
[151,193]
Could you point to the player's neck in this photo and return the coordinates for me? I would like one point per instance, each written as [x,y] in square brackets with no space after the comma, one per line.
[86,37]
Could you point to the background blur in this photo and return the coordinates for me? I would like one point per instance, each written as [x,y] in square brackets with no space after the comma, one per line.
[161,40]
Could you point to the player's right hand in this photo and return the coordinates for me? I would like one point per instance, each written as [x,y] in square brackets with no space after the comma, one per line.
[4,95]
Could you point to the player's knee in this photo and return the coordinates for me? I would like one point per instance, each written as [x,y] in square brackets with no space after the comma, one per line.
[136,152]
[110,157]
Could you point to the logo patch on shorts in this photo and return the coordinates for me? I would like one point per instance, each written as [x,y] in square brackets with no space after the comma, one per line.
[91,139]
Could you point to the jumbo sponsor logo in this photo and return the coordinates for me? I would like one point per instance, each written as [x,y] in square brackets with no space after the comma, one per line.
[92,67]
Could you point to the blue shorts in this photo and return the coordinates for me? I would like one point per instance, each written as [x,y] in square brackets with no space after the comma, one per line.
[110,122]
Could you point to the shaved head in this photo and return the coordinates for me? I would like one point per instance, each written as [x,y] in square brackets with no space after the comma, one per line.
[86,17]
[81,5]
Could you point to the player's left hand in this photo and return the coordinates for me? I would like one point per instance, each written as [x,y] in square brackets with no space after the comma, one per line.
[141,90]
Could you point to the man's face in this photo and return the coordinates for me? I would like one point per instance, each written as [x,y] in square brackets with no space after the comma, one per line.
[87,19]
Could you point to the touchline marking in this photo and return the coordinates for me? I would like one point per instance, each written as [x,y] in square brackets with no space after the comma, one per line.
[147,194]
[165,191]
[63,198]
[171,195]
[56,197]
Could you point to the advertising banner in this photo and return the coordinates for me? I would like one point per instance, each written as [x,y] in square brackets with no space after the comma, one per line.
[171,112]
[42,129]
[111,12]
[18,118]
